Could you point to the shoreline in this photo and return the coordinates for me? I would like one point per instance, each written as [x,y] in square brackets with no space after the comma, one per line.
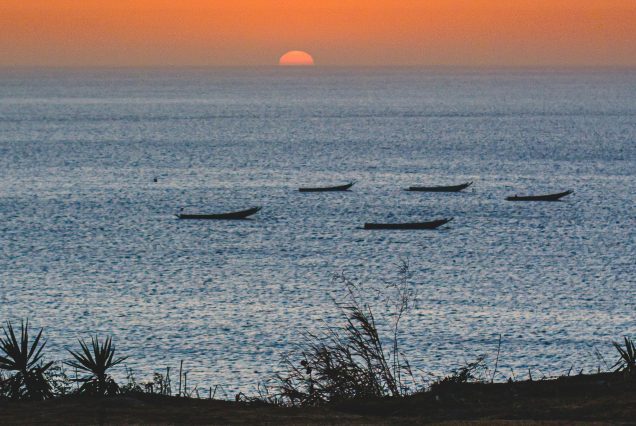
[600,398]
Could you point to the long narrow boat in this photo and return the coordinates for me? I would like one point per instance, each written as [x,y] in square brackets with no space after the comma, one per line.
[328,188]
[413,225]
[547,197]
[451,188]
[243,214]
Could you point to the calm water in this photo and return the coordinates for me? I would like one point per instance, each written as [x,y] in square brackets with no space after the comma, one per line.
[88,243]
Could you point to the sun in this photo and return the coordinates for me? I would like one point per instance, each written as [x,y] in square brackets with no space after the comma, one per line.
[296,58]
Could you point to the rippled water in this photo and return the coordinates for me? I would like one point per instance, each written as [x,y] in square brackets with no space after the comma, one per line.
[90,244]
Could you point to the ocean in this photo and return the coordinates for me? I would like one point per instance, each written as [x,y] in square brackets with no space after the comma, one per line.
[89,243]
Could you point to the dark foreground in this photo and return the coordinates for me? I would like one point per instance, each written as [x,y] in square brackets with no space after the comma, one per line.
[600,398]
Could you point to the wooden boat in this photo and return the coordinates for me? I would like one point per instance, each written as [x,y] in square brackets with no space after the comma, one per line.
[243,214]
[548,197]
[328,188]
[414,225]
[451,188]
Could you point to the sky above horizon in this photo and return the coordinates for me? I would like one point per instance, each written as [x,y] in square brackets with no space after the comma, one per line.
[334,32]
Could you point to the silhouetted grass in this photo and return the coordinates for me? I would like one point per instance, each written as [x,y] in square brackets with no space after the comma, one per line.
[351,362]
[160,384]
[472,372]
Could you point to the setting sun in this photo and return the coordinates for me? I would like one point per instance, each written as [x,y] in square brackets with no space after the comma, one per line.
[296,58]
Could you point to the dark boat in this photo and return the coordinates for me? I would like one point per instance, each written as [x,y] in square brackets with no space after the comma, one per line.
[243,214]
[548,197]
[328,188]
[451,188]
[414,225]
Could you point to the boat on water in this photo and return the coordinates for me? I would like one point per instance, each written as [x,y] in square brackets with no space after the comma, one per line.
[413,225]
[547,197]
[243,214]
[450,188]
[328,188]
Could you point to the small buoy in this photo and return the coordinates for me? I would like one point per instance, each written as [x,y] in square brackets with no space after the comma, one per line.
[154,180]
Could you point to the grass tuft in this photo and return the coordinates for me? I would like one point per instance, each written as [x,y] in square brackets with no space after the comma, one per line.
[354,361]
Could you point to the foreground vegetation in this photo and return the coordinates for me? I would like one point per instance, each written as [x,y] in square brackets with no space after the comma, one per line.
[608,398]
[343,375]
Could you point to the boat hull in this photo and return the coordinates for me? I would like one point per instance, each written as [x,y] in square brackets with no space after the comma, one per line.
[452,188]
[328,188]
[243,214]
[547,197]
[413,225]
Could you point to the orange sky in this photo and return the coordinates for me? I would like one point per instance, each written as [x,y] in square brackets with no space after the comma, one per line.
[335,32]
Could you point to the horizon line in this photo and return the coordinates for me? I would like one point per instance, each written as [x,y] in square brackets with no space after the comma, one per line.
[387,66]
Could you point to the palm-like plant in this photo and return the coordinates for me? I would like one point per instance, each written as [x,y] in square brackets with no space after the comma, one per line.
[627,360]
[24,359]
[96,360]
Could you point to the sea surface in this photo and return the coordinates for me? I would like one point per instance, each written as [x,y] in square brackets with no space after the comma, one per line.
[89,242]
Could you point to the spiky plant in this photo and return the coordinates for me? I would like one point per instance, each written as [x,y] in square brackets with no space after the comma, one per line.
[23,359]
[96,360]
[627,356]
